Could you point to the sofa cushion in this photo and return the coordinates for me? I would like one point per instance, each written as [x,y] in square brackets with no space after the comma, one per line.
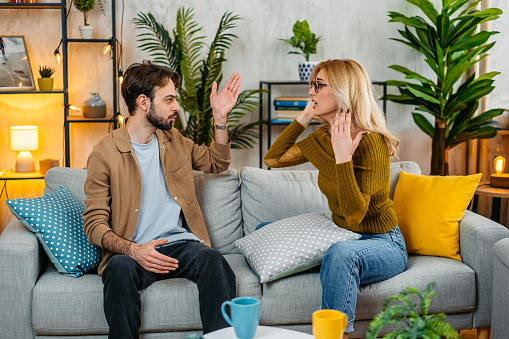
[66,306]
[219,199]
[276,194]
[269,196]
[455,291]
[56,220]
[429,209]
[72,178]
[217,194]
[291,245]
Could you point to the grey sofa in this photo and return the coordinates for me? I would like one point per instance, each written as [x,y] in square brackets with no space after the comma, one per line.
[36,301]
[500,310]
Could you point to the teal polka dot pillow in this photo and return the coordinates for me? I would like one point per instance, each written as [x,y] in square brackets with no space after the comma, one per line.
[56,219]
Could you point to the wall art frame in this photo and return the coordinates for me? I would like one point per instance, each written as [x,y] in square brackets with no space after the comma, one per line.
[15,68]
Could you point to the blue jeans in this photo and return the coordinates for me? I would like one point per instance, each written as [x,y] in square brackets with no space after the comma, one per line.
[348,264]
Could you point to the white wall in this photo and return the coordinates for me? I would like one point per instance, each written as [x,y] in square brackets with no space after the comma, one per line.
[356,29]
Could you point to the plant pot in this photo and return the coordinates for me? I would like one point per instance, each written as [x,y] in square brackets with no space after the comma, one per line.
[305,69]
[45,84]
[86,32]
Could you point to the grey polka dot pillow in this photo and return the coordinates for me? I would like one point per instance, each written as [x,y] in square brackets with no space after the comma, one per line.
[56,221]
[291,245]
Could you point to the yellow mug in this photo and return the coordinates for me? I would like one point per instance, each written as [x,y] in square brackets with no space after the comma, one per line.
[329,324]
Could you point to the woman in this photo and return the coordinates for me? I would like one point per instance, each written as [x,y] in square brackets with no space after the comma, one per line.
[352,153]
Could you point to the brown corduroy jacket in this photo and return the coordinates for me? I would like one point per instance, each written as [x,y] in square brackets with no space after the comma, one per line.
[113,184]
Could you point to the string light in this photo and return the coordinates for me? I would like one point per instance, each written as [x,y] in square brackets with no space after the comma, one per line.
[57,55]
[108,47]
[72,107]
[120,119]
[120,77]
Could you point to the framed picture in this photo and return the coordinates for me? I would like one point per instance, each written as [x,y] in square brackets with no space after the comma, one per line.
[15,70]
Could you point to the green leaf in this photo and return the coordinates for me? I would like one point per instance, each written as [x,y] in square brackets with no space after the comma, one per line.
[427,8]
[423,124]
[423,95]
[408,21]
[471,42]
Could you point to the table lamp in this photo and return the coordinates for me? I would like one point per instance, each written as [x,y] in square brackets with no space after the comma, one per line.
[24,139]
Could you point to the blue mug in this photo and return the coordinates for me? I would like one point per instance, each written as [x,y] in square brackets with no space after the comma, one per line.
[245,315]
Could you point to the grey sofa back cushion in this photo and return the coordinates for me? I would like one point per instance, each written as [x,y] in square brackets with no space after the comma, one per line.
[396,168]
[71,178]
[219,199]
[269,196]
[218,196]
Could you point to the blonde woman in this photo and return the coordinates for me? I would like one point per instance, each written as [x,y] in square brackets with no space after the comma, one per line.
[352,152]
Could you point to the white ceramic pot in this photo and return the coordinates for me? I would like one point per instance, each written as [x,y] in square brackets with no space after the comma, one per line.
[305,69]
[86,32]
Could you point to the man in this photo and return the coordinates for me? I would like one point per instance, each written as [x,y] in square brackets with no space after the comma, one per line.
[141,207]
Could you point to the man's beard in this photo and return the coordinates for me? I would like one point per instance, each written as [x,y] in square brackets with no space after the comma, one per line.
[157,121]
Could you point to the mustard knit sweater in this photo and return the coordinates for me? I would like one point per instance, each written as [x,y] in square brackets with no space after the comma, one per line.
[357,191]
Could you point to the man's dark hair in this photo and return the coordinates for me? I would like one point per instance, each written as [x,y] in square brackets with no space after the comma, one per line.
[142,79]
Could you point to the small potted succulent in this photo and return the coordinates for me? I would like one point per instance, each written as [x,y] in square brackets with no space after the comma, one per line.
[45,82]
[84,6]
[411,319]
[306,41]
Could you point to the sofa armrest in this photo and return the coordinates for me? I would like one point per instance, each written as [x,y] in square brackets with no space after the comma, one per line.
[478,235]
[20,263]
[499,325]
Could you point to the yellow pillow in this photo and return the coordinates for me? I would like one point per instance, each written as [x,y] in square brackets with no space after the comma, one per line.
[429,209]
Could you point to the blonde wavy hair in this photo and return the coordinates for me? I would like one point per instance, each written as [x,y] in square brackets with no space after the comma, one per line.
[353,90]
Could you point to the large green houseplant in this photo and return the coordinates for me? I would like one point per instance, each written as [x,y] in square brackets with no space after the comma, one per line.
[182,53]
[411,319]
[450,44]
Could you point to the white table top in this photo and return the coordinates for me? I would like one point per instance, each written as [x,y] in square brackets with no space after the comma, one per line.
[262,332]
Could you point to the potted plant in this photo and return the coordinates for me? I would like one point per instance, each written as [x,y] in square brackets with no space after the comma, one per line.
[451,44]
[45,82]
[306,41]
[412,320]
[182,53]
[85,6]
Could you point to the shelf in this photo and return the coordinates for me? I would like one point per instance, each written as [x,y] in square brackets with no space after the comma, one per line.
[288,122]
[13,175]
[31,6]
[82,119]
[33,91]
[503,132]
[89,40]
[276,82]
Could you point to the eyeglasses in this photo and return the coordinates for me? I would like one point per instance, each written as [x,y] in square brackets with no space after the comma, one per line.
[316,86]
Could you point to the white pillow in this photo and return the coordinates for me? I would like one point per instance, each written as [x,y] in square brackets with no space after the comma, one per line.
[291,245]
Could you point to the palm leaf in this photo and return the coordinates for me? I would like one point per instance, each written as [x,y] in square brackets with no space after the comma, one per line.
[157,41]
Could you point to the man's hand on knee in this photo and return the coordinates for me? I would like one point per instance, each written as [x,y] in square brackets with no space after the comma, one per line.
[150,259]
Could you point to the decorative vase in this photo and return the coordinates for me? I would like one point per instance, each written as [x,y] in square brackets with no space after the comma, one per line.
[45,84]
[305,69]
[86,32]
[94,107]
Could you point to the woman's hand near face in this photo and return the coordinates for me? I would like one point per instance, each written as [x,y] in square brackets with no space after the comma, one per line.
[342,143]
[307,114]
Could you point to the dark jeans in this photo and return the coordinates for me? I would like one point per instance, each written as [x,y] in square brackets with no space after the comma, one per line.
[123,278]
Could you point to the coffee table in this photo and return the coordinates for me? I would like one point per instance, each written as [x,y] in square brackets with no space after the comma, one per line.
[262,332]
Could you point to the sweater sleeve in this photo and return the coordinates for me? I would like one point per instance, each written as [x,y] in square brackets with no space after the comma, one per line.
[366,174]
[97,189]
[284,152]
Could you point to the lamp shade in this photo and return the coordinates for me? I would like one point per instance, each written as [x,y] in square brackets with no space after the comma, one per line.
[24,138]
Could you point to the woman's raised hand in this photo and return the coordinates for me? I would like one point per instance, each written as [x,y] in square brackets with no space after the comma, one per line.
[307,114]
[342,143]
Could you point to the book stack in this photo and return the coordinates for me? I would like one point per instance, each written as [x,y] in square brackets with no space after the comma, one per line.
[289,108]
